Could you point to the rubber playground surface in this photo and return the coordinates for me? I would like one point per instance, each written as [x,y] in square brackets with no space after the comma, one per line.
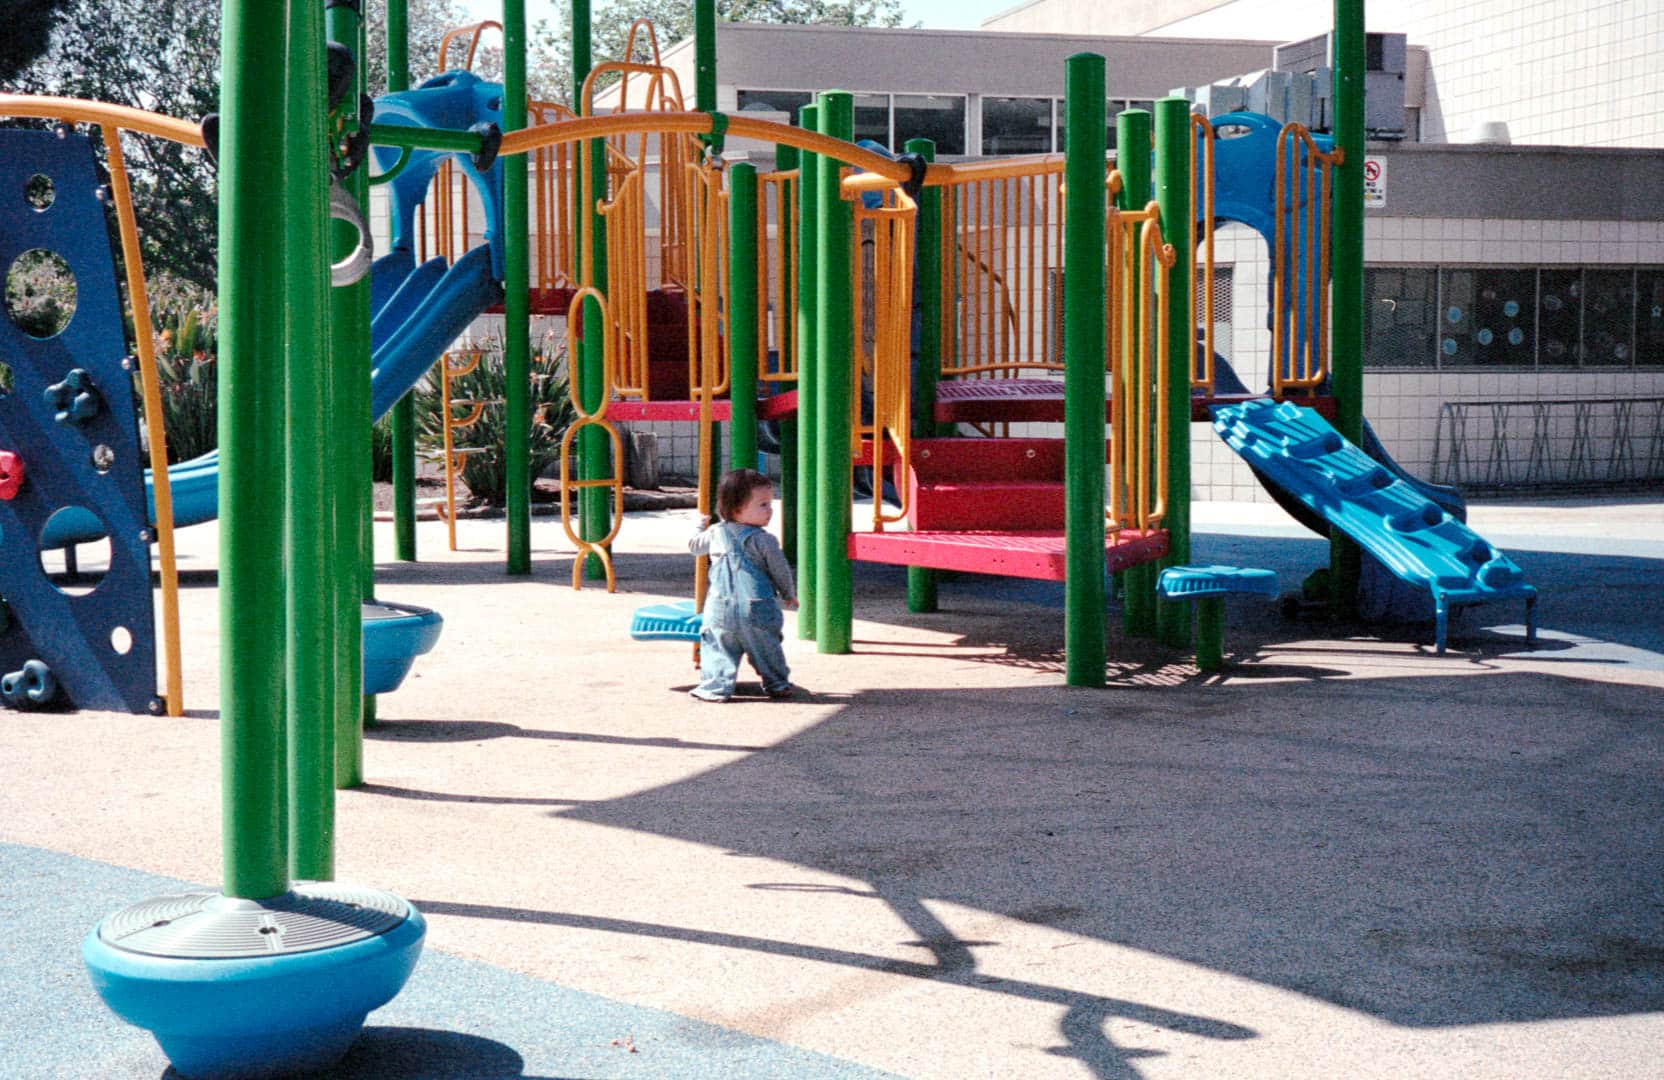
[1343,856]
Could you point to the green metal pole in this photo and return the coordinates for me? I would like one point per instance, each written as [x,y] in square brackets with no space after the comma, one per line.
[785,160]
[1172,184]
[1083,373]
[704,55]
[1346,350]
[1132,135]
[742,313]
[590,245]
[349,474]
[927,362]
[404,410]
[808,368]
[1210,632]
[253,328]
[517,325]
[834,604]
[704,96]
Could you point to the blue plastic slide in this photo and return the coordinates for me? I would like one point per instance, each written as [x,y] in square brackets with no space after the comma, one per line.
[1412,536]
[431,307]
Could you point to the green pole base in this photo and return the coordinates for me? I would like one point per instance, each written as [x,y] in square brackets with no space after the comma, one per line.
[1210,631]
[1138,603]
[921,590]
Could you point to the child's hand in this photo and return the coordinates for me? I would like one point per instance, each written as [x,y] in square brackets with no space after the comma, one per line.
[791,603]
[704,522]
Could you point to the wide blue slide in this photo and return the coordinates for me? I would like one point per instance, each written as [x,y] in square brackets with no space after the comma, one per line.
[1412,536]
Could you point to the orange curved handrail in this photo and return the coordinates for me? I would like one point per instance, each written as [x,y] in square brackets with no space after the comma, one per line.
[1314,181]
[652,39]
[98,112]
[698,123]
[474,29]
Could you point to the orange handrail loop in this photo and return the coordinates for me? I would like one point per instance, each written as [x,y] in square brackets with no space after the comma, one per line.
[1304,187]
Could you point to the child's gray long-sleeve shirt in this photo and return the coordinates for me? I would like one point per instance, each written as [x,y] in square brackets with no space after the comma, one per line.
[761,547]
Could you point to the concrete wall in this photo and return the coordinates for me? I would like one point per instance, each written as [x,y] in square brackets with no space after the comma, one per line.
[1558,72]
[957,62]
[1094,16]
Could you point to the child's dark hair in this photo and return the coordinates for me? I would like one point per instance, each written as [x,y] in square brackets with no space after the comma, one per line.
[736,487]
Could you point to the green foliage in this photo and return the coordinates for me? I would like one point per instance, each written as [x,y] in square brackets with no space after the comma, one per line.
[381,450]
[185,337]
[486,473]
[161,55]
[40,293]
[25,33]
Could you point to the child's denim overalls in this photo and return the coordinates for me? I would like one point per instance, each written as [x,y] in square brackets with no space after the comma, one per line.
[742,618]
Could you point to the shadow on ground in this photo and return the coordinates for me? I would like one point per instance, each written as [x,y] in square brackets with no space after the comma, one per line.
[1444,852]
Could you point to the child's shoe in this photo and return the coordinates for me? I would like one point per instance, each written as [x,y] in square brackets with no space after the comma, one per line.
[782,693]
[704,695]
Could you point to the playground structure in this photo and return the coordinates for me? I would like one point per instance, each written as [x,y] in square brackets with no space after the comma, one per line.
[1053,288]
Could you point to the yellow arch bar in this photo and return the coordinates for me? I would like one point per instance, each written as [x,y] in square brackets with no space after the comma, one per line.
[98,112]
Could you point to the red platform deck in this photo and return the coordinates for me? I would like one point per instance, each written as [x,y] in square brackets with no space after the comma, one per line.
[1039,401]
[1038,554]
[773,407]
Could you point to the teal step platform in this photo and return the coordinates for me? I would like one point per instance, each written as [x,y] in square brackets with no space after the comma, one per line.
[675,621]
[1418,542]
[394,636]
[1207,586]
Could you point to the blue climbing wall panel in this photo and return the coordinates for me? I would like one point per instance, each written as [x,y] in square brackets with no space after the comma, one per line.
[69,418]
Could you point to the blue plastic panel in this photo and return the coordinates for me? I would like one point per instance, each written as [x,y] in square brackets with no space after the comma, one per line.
[75,635]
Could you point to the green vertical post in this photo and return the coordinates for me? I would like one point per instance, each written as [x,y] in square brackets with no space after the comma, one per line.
[1132,137]
[834,293]
[808,345]
[253,329]
[704,55]
[1172,184]
[517,325]
[1210,632]
[785,160]
[1346,320]
[354,509]
[589,247]
[927,362]
[1084,399]
[742,313]
[404,410]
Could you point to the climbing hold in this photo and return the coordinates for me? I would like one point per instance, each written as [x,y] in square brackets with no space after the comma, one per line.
[76,400]
[32,688]
[11,475]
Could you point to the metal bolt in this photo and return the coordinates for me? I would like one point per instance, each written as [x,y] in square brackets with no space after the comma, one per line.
[144,535]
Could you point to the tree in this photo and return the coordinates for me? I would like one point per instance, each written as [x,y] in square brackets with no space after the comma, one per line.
[25,33]
[428,20]
[161,55]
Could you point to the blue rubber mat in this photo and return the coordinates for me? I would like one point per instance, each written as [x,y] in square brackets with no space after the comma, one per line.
[455,1019]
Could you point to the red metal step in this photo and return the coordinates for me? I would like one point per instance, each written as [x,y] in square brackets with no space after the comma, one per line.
[1030,554]
[987,505]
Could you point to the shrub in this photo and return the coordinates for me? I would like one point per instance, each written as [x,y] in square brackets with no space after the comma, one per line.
[486,473]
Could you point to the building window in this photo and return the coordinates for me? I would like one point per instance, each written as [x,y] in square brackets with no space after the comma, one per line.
[938,117]
[1561,316]
[1488,317]
[1649,317]
[786,101]
[1399,319]
[872,118]
[1554,317]
[1608,317]
[1014,125]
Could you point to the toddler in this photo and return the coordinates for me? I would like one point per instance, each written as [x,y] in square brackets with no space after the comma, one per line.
[749,580]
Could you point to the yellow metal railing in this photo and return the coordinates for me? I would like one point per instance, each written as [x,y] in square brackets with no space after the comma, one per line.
[569,486]
[777,276]
[883,317]
[112,120]
[708,360]
[1002,249]
[624,215]
[1300,256]
[1201,244]
[1139,292]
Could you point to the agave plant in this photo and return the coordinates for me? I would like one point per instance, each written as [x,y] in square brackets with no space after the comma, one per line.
[486,473]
